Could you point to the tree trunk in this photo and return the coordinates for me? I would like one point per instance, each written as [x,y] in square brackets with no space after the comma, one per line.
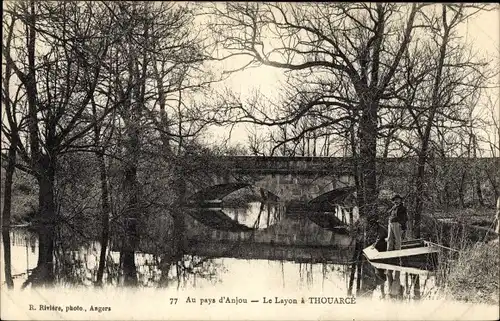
[383,168]
[131,236]
[104,217]
[44,272]
[105,206]
[44,168]
[179,221]
[355,258]
[131,213]
[360,275]
[7,203]
[419,192]
[355,160]
[477,179]
[367,155]
[175,254]
[308,145]
[447,195]
[170,256]
[479,192]
[497,216]
[10,109]
[314,146]
[416,287]
[461,190]
[135,105]
[422,156]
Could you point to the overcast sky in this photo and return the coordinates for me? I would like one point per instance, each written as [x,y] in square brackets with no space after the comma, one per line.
[483,30]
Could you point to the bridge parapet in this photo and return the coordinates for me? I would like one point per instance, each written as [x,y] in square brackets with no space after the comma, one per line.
[334,165]
[287,165]
[304,165]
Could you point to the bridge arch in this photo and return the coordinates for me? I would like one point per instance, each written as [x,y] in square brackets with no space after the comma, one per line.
[215,193]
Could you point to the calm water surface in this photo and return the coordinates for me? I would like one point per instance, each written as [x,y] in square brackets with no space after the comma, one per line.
[229,274]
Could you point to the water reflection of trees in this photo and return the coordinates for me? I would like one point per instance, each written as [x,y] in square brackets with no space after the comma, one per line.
[191,268]
[328,272]
[79,267]
[77,262]
[272,212]
[392,284]
[77,257]
[257,215]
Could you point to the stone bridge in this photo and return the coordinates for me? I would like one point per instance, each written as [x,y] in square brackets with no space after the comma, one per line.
[289,178]
[304,178]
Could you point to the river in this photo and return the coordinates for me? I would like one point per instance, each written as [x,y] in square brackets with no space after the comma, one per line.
[276,282]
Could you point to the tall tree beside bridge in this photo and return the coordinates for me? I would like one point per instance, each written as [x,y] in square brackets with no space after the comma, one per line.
[176,80]
[439,89]
[152,76]
[356,48]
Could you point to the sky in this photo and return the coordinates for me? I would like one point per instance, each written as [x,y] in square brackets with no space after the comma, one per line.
[483,30]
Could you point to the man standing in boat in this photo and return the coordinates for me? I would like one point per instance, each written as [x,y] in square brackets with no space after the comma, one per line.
[397,223]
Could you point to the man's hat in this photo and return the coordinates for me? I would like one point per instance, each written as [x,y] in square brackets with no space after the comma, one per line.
[396,197]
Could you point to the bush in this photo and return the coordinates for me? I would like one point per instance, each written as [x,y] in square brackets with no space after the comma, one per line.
[475,275]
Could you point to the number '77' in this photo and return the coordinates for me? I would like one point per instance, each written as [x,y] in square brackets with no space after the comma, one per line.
[173,300]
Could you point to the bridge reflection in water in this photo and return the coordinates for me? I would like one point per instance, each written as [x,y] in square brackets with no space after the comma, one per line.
[272,237]
[316,230]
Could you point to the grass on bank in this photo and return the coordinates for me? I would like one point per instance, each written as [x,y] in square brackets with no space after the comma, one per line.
[469,265]
[474,275]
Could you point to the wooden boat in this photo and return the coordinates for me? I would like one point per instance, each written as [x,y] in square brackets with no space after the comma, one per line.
[414,253]
[402,269]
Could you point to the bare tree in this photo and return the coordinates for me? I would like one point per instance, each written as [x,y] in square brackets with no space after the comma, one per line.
[434,98]
[57,72]
[11,132]
[157,81]
[105,198]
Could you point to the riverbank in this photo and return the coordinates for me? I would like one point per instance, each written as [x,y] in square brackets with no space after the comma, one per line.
[474,275]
